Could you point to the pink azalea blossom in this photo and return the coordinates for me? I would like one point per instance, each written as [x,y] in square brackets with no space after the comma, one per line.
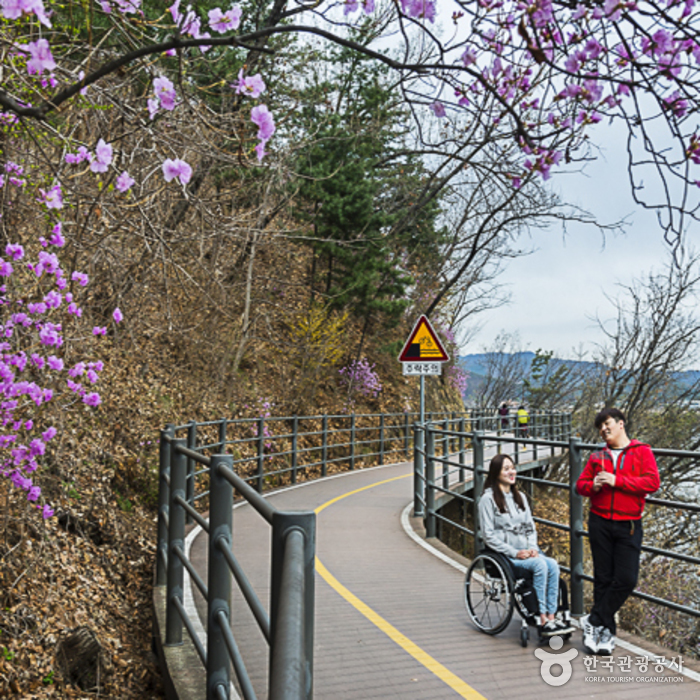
[81,75]
[262,118]
[57,238]
[253,85]
[174,10]
[55,363]
[79,157]
[438,109]
[165,92]
[92,399]
[13,9]
[469,57]
[81,278]
[177,169]
[14,251]
[53,198]
[128,6]
[153,107]
[41,58]
[419,9]
[224,21]
[260,150]
[124,182]
[103,157]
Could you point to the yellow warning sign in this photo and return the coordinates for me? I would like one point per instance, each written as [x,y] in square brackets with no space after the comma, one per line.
[423,345]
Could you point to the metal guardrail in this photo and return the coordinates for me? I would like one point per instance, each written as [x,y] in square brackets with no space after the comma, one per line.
[289,627]
[198,472]
[550,436]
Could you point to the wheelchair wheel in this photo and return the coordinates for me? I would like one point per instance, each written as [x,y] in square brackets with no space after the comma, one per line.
[488,594]
[524,636]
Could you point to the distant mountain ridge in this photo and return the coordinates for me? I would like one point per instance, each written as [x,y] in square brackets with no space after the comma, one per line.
[476,365]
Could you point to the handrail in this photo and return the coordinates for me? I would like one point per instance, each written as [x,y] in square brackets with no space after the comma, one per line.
[292,564]
[202,466]
[433,433]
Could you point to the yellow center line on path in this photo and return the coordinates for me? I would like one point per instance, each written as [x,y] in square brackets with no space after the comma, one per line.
[434,666]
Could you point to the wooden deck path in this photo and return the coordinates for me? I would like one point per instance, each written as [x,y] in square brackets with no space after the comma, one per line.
[390,617]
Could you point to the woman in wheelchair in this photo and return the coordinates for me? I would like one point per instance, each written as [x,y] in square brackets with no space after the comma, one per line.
[507,527]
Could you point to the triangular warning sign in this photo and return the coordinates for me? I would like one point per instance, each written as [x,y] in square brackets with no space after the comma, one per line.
[423,345]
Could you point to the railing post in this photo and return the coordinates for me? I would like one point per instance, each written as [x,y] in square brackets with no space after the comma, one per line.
[430,483]
[292,604]
[552,433]
[324,447]
[418,470]
[261,454]
[295,431]
[534,434]
[192,445]
[381,439]
[219,579]
[576,525]
[406,438]
[445,456]
[352,442]
[221,449]
[462,456]
[176,539]
[478,462]
[163,503]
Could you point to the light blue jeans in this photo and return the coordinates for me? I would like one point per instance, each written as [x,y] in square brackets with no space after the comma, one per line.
[545,579]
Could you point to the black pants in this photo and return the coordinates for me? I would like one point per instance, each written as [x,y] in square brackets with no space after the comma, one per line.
[615,546]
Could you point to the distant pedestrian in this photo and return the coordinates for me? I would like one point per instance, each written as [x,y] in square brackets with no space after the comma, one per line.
[523,419]
[617,479]
[503,412]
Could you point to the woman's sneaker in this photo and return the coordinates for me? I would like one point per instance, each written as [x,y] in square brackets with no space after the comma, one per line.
[590,635]
[564,627]
[606,642]
[549,629]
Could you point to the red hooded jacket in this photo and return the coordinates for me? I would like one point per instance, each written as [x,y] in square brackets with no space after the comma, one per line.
[636,475]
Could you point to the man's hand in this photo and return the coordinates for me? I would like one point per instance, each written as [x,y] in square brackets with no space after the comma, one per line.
[602,478]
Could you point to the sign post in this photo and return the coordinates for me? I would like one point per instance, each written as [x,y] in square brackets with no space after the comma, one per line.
[422,356]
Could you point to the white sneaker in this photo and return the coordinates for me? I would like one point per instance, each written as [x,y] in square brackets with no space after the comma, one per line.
[549,629]
[564,627]
[606,642]
[590,635]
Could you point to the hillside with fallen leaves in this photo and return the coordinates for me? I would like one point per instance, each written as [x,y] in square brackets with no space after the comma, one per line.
[89,569]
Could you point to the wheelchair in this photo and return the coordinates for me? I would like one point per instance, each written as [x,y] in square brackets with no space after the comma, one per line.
[492,591]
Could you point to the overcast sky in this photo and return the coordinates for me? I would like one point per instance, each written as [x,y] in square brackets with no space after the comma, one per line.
[561,286]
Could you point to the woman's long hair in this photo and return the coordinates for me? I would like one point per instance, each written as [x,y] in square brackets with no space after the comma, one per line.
[495,467]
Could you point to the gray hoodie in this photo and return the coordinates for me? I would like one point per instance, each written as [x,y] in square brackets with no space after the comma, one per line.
[507,532]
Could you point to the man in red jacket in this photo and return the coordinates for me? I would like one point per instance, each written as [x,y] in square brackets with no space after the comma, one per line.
[617,479]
